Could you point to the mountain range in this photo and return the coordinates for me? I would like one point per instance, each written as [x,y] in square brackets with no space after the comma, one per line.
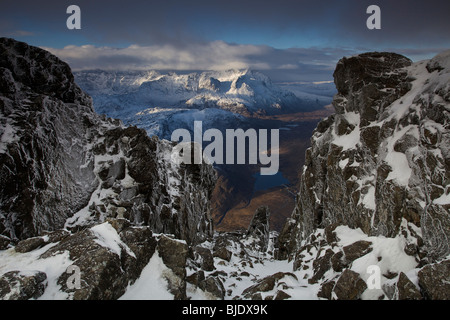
[80,191]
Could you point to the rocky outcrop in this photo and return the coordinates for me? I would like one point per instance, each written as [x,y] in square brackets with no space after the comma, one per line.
[86,190]
[91,209]
[62,165]
[434,280]
[403,289]
[382,160]
[259,228]
[15,285]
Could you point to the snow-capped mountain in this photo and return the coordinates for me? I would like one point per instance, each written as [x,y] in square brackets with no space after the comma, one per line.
[239,91]
[82,192]
[161,103]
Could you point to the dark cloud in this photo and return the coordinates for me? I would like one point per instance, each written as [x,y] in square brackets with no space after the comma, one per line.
[293,64]
[404,23]
[288,40]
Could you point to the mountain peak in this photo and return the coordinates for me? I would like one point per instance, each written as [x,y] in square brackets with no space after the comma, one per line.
[39,70]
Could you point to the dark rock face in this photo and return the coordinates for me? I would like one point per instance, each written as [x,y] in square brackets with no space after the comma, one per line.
[45,167]
[382,159]
[174,253]
[60,160]
[259,227]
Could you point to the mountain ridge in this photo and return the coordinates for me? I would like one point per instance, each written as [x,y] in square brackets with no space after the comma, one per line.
[143,228]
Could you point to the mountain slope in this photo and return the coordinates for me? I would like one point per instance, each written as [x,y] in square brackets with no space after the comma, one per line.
[240,91]
[61,160]
[381,164]
[91,209]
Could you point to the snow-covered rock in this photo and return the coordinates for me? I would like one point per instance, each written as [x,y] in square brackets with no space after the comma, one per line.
[62,165]
[82,192]
[379,165]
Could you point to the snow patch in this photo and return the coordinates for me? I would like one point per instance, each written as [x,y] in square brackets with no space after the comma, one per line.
[151,285]
[108,237]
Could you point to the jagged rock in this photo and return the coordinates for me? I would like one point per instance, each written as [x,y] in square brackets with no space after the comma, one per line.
[174,254]
[350,253]
[105,269]
[266,284]
[259,227]
[223,253]
[33,243]
[17,285]
[214,286]
[196,278]
[330,235]
[64,166]
[119,224]
[403,289]
[142,243]
[434,280]
[29,244]
[326,289]
[349,286]
[5,242]
[204,258]
[102,270]
[321,265]
[286,243]
[382,159]
[281,295]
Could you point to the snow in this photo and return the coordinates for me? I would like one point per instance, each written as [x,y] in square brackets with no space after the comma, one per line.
[151,285]
[368,199]
[401,170]
[108,237]
[388,254]
[343,163]
[29,262]
[444,199]
[8,135]
[351,140]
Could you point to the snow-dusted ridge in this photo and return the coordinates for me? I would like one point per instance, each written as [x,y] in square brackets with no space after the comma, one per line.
[243,91]
[82,191]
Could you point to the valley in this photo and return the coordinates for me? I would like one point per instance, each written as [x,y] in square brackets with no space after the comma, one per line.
[240,190]
[235,99]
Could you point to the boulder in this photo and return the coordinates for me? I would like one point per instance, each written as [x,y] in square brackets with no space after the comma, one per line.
[259,228]
[266,284]
[105,269]
[349,286]
[223,253]
[204,258]
[29,244]
[17,285]
[214,286]
[403,289]
[174,254]
[434,280]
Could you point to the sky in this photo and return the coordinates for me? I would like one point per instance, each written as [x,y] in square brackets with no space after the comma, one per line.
[289,40]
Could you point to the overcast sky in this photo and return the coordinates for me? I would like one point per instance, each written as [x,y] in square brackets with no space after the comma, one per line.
[291,40]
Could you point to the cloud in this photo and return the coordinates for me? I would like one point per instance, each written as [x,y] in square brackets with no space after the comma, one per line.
[280,64]
[180,23]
